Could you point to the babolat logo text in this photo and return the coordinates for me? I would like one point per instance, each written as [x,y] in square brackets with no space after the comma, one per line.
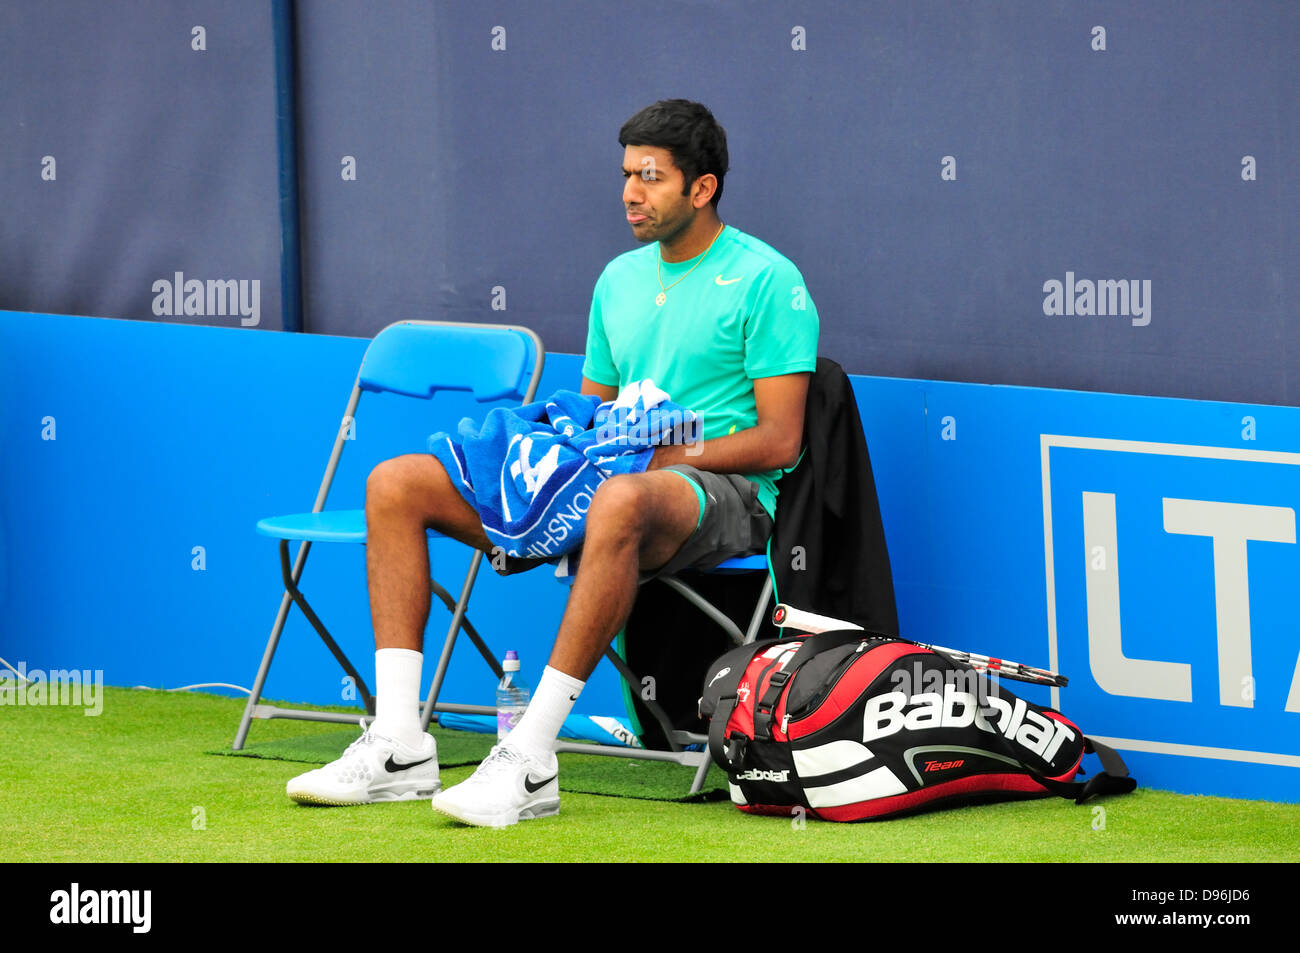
[1125,297]
[74,905]
[887,714]
[754,774]
[216,296]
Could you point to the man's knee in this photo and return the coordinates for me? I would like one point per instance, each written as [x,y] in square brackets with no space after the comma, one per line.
[404,483]
[620,507]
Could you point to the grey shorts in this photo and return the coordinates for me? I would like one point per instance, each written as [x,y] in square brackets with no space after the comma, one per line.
[732,523]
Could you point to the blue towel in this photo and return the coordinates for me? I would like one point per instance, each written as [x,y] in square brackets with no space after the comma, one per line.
[531,471]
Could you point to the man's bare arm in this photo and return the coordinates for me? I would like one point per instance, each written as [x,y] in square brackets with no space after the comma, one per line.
[603,391]
[773,443]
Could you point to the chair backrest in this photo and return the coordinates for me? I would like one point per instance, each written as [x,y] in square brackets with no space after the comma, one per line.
[420,358]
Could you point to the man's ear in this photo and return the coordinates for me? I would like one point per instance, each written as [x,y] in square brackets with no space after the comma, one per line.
[702,190]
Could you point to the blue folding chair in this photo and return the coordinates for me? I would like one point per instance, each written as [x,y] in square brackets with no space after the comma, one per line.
[412,359]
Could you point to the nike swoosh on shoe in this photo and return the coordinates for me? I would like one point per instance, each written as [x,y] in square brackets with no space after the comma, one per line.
[532,787]
[392,767]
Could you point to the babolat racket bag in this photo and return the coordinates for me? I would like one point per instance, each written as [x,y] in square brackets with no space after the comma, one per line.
[852,726]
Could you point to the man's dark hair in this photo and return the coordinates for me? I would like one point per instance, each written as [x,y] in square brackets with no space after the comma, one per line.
[687,130]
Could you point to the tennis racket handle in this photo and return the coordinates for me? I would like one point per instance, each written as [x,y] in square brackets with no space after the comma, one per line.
[788,617]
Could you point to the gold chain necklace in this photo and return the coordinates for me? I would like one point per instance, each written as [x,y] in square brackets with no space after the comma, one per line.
[663,292]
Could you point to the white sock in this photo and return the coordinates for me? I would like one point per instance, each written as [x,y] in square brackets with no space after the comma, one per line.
[540,725]
[397,695]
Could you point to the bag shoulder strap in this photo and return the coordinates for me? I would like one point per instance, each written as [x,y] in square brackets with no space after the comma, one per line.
[1112,779]
[729,753]
[813,645]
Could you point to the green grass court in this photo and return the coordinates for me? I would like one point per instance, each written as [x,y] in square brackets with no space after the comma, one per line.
[125,786]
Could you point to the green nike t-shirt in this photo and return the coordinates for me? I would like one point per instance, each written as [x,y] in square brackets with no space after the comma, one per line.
[742,313]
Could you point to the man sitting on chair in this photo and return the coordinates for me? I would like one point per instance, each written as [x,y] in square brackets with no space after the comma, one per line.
[721,322]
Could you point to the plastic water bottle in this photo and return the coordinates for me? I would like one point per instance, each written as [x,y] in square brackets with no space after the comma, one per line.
[512,696]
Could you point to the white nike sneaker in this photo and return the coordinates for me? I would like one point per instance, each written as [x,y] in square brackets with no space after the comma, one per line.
[508,787]
[373,768]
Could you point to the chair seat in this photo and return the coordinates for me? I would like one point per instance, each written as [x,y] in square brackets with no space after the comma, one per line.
[337,526]
[743,563]
[736,564]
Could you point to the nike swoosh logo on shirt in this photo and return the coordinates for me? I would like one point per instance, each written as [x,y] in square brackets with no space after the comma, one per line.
[392,767]
[534,786]
[730,281]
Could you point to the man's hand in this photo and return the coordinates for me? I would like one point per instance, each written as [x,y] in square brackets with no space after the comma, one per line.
[771,444]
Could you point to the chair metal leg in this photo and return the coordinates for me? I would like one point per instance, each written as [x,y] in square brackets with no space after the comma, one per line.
[707,608]
[760,610]
[292,589]
[247,720]
[656,709]
[700,773]
[467,627]
[291,596]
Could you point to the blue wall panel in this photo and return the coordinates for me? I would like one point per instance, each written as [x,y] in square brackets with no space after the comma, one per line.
[162,443]
[994,587]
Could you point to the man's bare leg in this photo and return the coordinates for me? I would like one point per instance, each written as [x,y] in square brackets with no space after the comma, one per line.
[396,760]
[405,497]
[636,522]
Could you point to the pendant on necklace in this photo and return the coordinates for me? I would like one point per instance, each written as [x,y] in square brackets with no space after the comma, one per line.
[660,298]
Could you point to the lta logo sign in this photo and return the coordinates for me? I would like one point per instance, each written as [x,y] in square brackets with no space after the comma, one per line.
[1171,582]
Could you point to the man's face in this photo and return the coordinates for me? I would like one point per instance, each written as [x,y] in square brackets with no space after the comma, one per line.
[652,194]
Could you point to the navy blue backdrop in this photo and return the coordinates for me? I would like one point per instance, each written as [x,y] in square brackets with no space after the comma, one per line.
[138,144]
[933,167]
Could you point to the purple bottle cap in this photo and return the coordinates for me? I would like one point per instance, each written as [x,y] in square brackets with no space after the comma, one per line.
[512,654]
